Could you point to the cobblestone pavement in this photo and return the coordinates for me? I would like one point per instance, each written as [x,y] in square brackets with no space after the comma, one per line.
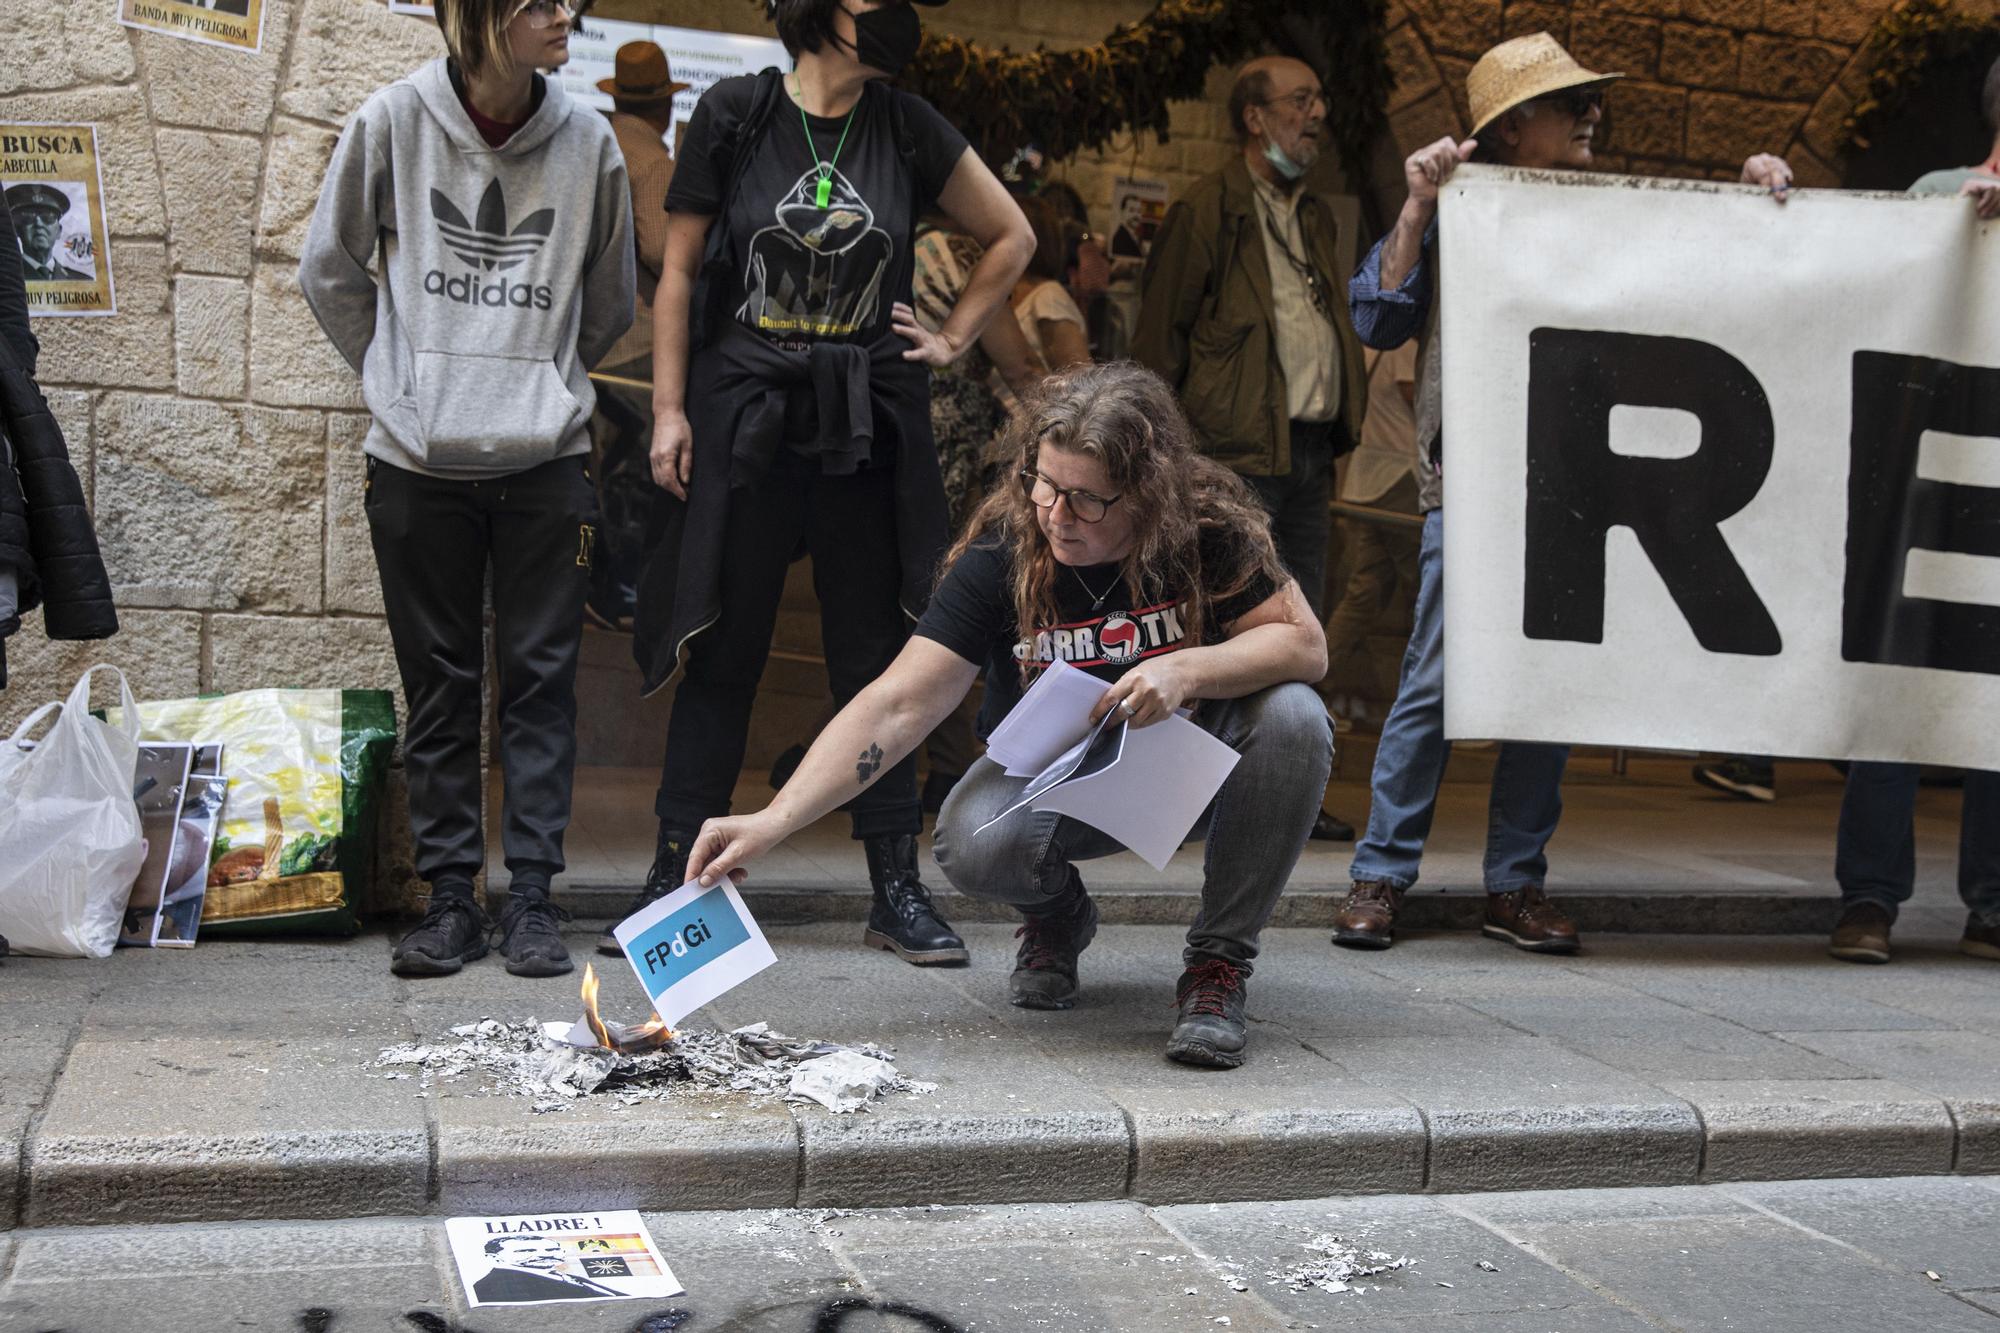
[1884,1254]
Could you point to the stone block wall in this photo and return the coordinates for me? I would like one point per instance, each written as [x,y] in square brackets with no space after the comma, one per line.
[1708,82]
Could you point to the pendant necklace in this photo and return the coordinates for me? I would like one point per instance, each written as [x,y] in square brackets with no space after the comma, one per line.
[823,191]
[1098,597]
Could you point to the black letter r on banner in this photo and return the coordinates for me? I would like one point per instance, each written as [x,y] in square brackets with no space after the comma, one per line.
[1578,489]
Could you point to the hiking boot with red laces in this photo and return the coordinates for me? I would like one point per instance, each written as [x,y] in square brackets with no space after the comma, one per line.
[1367,919]
[1045,968]
[1210,1032]
[1527,920]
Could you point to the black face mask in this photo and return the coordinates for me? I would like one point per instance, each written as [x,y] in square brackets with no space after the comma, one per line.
[887,39]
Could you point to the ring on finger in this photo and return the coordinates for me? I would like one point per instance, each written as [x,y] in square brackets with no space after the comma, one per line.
[1125,707]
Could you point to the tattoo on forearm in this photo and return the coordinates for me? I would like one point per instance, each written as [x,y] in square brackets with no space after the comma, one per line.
[869,763]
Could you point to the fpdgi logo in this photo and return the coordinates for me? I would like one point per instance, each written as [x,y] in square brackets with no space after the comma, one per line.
[692,936]
[487,243]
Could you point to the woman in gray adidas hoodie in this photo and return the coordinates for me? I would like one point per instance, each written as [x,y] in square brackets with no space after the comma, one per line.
[496,213]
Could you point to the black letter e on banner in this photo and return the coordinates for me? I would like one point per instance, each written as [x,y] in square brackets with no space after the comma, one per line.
[1892,511]
[1578,489]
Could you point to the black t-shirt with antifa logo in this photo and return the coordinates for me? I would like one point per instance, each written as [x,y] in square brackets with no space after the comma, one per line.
[972,613]
[810,272]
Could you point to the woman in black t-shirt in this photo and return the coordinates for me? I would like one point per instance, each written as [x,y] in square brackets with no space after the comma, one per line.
[791,395]
[1123,552]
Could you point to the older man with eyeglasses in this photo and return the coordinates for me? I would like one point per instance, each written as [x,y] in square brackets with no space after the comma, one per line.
[1532,106]
[1241,314]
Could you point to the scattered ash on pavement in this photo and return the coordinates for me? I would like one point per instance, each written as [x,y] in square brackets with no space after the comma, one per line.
[1337,1266]
[523,1060]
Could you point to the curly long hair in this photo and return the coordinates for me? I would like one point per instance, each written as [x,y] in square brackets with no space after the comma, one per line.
[1124,416]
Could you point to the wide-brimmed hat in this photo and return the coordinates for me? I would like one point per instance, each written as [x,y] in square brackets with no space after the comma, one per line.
[34,195]
[1520,70]
[640,74]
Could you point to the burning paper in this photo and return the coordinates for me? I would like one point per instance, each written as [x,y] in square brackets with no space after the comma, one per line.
[558,1257]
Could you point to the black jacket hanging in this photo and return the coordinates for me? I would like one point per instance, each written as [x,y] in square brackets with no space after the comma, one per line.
[45,528]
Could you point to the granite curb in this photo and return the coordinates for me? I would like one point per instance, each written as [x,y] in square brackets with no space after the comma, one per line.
[91,1165]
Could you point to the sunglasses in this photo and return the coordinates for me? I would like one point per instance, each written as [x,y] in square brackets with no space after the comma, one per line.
[542,13]
[1575,101]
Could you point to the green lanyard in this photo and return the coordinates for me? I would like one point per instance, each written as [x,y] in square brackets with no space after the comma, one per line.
[823,192]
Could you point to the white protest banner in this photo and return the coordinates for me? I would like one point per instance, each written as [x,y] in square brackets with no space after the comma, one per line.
[693,945]
[1721,474]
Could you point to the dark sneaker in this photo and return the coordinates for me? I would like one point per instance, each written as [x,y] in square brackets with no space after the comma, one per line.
[1862,936]
[669,872]
[1367,919]
[452,934]
[1211,1031]
[1527,920]
[1045,967]
[1331,828]
[902,919]
[529,938]
[1979,941]
[1739,777]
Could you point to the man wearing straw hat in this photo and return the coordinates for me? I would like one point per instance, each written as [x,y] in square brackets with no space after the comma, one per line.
[1532,106]
[642,88]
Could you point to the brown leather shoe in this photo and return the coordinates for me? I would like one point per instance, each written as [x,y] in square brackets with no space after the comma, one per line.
[1527,920]
[1980,941]
[1367,918]
[1862,935]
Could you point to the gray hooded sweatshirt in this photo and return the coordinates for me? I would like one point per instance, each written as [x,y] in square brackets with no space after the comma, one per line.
[506,273]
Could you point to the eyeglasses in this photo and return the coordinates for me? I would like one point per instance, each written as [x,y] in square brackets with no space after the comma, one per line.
[1577,102]
[1043,494]
[542,13]
[1301,101]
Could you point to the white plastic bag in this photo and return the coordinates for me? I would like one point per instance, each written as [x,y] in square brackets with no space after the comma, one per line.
[70,843]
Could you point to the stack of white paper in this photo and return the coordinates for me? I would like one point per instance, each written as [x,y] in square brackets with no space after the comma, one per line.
[1144,786]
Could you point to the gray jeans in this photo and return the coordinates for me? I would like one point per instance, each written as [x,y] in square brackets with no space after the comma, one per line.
[1255,828]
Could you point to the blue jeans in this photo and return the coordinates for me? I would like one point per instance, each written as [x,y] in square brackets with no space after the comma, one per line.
[1409,765]
[1255,828]
[1876,860]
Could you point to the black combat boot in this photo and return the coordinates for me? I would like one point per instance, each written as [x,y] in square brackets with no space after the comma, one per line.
[902,918]
[1211,1032]
[669,872]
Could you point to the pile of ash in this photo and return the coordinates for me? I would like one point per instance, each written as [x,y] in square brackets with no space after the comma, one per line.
[534,1061]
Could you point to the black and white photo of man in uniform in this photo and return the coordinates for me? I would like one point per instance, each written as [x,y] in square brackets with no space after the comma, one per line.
[38,210]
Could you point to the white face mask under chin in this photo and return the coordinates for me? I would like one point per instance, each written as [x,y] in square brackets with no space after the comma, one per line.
[1282,162]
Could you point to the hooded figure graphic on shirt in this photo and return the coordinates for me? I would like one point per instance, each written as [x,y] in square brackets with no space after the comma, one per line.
[819,272]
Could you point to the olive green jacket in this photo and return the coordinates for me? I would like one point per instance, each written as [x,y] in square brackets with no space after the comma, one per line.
[1205,322]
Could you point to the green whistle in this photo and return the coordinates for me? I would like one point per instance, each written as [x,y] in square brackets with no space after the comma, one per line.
[823,193]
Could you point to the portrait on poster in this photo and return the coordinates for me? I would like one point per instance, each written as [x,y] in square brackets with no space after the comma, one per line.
[558,1257]
[55,196]
[233,23]
[1137,209]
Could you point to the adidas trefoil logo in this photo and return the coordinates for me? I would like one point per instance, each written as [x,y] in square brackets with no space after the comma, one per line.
[487,243]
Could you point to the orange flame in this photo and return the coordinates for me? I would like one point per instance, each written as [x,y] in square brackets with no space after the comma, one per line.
[616,1036]
[590,1015]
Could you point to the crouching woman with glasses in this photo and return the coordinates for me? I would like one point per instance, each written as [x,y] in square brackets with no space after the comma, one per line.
[1126,554]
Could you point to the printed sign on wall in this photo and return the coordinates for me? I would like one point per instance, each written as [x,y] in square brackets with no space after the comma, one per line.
[55,196]
[1721,474]
[235,23]
[693,945]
